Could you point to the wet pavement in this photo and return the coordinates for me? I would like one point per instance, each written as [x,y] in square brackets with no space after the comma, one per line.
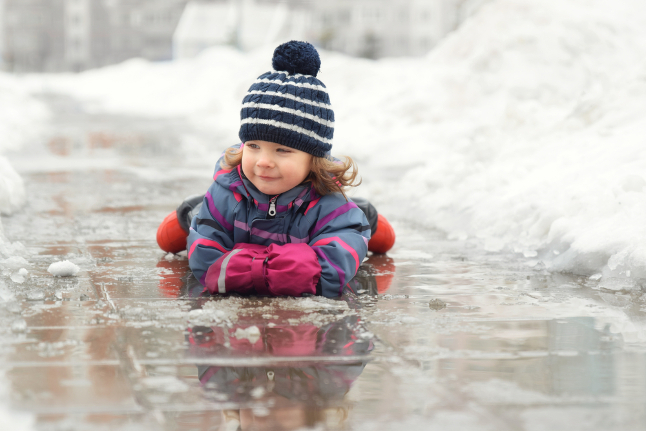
[440,336]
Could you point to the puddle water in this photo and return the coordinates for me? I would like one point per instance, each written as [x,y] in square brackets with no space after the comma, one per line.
[440,335]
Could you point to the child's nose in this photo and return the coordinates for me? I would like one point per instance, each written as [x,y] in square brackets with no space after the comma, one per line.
[265,161]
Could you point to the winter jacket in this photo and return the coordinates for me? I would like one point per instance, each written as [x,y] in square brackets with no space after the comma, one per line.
[312,245]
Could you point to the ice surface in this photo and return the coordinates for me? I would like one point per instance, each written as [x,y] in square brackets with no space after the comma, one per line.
[63,269]
[523,129]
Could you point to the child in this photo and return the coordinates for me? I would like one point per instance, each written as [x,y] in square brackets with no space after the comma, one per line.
[276,220]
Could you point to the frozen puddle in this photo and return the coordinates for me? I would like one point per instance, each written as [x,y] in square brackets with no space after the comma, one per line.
[441,336]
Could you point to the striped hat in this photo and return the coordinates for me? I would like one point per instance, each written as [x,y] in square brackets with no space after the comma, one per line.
[288,105]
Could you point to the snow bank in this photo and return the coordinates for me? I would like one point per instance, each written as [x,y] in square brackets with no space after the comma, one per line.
[20,117]
[524,130]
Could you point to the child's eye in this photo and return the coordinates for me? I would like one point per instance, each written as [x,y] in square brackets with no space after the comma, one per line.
[284,150]
[254,146]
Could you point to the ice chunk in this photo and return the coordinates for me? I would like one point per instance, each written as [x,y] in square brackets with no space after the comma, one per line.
[63,269]
[18,278]
[251,333]
[14,263]
[5,294]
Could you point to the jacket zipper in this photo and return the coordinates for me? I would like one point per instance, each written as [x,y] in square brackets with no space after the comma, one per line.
[272,207]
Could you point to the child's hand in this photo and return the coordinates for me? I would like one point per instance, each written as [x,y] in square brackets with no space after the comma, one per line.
[277,270]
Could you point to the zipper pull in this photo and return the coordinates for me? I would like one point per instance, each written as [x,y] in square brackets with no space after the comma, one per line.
[272,206]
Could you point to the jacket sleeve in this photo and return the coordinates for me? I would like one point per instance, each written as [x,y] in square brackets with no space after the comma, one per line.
[277,270]
[340,241]
[211,232]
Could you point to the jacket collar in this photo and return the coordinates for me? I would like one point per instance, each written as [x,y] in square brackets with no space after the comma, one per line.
[235,181]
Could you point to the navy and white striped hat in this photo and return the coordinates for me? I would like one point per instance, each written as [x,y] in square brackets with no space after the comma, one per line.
[288,105]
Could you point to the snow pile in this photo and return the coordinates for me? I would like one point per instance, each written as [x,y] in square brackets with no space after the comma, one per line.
[20,115]
[523,130]
[63,269]
[20,119]
[12,190]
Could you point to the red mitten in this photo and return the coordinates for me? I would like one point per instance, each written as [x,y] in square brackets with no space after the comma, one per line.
[291,270]
[232,271]
[277,270]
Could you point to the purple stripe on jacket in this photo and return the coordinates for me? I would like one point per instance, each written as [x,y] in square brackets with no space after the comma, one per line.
[299,199]
[241,225]
[225,224]
[296,240]
[233,187]
[280,237]
[334,214]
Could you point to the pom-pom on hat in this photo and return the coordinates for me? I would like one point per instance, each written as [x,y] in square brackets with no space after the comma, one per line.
[289,105]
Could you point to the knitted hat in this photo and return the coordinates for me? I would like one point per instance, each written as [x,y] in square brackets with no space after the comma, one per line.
[288,105]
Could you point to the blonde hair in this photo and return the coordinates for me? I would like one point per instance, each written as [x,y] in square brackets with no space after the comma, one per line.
[326,175]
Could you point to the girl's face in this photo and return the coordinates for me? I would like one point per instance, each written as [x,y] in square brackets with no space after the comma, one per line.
[274,168]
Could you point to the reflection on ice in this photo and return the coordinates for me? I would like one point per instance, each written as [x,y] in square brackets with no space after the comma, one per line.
[279,396]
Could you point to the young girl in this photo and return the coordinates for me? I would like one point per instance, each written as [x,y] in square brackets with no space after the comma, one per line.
[276,220]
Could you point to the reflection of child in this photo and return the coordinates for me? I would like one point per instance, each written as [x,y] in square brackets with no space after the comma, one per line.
[299,395]
[276,220]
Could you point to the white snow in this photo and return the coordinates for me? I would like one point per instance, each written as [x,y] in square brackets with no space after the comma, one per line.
[251,333]
[523,131]
[14,262]
[21,119]
[63,269]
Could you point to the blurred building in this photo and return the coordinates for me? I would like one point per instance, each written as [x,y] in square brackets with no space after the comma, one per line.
[74,35]
[245,24]
[64,35]
[385,28]
[365,28]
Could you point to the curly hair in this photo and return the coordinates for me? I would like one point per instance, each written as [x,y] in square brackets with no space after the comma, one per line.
[326,175]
